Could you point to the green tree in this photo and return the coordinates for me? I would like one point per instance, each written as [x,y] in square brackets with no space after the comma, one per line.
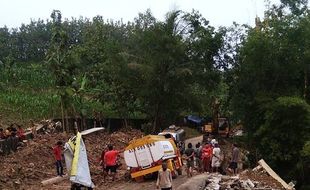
[62,62]
[283,136]
[272,62]
[169,60]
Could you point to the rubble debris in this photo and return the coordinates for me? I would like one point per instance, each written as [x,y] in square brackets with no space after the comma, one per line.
[33,163]
[274,175]
[261,177]
[218,181]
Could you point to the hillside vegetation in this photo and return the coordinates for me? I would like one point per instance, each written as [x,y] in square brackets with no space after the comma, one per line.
[160,70]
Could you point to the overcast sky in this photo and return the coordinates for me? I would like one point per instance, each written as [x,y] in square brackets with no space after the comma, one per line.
[218,12]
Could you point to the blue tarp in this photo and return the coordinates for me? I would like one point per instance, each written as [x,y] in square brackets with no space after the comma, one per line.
[195,119]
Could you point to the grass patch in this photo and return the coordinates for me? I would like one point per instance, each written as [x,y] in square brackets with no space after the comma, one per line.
[20,106]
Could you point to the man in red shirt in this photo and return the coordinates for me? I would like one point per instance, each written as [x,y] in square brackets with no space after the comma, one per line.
[57,154]
[110,162]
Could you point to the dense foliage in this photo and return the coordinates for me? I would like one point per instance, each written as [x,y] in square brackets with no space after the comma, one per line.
[145,68]
[161,70]
[270,94]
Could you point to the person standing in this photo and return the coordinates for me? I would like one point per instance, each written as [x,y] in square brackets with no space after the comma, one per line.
[57,154]
[190,153]
[216,160]
[198,156]
[206,157]
[164,179]
[110,162]
[233,166]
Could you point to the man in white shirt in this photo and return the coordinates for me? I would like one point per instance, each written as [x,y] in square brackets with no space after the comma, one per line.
[216,161]
[164,179]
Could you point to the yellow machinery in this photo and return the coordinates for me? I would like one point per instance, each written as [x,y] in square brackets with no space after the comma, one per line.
[222,127]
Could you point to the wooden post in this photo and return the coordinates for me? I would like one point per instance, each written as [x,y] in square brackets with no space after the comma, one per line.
[62,114]
[53,180]
[273,174]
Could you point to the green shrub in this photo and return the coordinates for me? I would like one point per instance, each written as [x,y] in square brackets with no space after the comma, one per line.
[283,135]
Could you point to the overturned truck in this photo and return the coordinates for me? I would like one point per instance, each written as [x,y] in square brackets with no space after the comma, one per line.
[145,156]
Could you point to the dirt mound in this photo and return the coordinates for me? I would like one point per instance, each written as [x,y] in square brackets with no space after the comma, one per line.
[34,162]
[261,178]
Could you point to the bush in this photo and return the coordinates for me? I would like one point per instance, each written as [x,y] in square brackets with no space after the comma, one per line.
[283,136]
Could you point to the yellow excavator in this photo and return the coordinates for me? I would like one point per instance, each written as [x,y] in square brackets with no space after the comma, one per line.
[218,126]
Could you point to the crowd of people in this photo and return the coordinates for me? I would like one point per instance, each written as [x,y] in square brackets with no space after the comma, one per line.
[208,157]
[12,131]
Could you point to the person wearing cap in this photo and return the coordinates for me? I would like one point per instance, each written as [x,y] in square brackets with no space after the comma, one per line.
[213,141]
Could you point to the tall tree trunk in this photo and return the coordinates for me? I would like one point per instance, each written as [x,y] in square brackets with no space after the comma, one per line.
[154,124]
[67,121]
[215,116]
[84,125]
[156,118]
[109,125]
[125,123]
[62,115]
[306,84]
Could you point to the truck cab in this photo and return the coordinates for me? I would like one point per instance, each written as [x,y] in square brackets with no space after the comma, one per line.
[177,134]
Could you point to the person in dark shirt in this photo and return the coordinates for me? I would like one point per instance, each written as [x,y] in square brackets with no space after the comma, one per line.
[233,166]
[190,153]
[198,157]
[57,154]
[13,131]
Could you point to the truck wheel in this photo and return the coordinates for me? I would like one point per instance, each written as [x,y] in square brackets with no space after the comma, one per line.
[139,179]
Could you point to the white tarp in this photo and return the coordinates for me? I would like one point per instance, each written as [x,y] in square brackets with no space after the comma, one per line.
[77,162]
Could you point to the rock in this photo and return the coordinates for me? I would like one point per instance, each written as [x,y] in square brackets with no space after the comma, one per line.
[17,182]
[250,183]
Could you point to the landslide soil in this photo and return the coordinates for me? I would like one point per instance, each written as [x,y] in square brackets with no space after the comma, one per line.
[34,161]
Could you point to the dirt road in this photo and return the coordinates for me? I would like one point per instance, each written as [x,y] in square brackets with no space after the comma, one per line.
[151,184]
[131,185]
[194,140]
